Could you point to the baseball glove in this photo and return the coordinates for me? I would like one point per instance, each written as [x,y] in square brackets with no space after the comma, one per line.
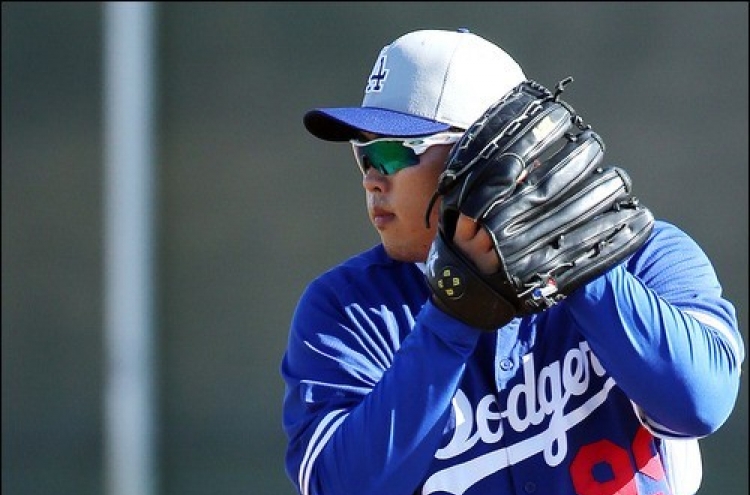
[528,172]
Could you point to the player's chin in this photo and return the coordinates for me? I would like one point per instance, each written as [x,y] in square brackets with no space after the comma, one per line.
[409,251]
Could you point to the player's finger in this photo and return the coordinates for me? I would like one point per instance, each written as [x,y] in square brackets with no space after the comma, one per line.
[466,229]
[476,244]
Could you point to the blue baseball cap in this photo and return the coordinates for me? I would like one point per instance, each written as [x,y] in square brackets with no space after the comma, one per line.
[424,82]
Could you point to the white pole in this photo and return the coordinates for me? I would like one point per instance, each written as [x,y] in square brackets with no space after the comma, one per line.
[130,436]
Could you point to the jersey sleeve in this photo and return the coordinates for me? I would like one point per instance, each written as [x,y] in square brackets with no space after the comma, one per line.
[365,410]
[662,328]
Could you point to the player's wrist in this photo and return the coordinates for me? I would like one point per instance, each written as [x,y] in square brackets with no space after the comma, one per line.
[448,327]
[460,291]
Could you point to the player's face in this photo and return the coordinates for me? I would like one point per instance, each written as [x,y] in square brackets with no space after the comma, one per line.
[397,204]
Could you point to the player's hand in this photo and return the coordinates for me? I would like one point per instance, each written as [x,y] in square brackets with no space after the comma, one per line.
[476,244]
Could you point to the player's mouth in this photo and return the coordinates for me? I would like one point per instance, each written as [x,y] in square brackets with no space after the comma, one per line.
[381,217]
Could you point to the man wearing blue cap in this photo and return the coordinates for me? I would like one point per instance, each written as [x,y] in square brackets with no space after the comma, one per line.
[606,392]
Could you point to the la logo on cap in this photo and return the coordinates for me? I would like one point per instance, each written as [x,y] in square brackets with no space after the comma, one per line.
[377,77]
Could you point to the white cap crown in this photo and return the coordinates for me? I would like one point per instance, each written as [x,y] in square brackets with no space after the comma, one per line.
[445,76]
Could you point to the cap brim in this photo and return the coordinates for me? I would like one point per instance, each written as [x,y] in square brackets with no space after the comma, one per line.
[343,124]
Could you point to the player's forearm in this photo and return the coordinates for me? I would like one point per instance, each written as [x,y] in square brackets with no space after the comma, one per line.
[682,373]
[388,440]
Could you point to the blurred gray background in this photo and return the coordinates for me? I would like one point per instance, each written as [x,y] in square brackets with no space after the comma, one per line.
[249,207]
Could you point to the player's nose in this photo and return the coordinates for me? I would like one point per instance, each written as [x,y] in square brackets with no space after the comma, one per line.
[373,180]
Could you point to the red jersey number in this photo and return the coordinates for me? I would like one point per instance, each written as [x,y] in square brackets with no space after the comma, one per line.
[614,463]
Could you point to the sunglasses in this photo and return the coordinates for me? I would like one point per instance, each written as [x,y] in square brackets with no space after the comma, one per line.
[389,155]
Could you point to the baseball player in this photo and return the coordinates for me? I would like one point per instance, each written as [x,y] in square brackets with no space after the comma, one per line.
[438,362]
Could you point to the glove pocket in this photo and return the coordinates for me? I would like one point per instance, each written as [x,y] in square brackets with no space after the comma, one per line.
[548,222]
[548,184]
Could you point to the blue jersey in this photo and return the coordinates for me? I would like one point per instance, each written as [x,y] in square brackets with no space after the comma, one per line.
[605,393]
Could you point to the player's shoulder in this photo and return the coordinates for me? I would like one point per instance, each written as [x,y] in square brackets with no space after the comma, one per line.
[665,231]
[375,256]
[668,237]
[368,279]
[360,269]
[669,252]
[370,259]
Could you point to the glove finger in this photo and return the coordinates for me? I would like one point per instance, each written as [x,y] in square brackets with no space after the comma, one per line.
[598,193]
[540,132]
[608,248]
[522,127]
[489,182]
[534,214]
[573,162]
[493,178]
[589,250]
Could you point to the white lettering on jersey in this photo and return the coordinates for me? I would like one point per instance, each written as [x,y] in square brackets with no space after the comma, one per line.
[528,403]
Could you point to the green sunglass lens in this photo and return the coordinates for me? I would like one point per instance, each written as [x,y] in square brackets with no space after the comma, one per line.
[388,157]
